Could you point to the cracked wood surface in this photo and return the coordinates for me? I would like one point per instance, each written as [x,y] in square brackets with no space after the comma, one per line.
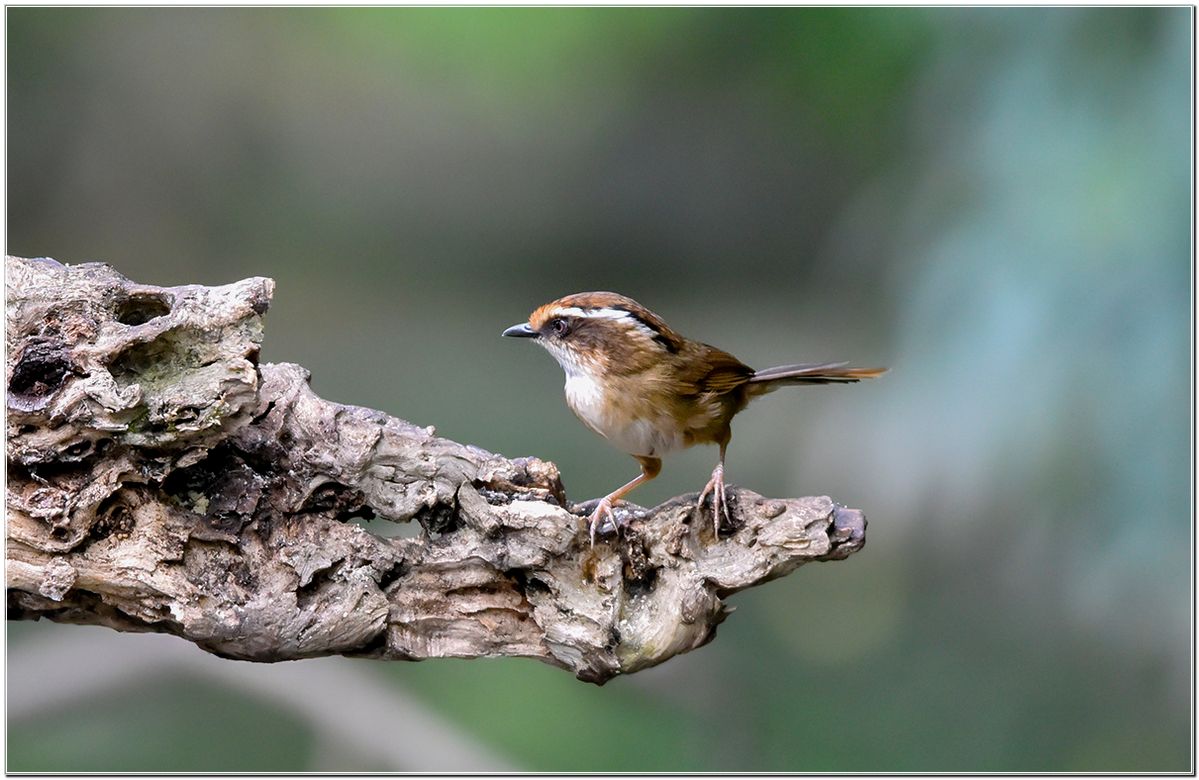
[161,479]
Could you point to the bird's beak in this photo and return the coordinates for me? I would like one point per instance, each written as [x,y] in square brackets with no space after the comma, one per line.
[521,331]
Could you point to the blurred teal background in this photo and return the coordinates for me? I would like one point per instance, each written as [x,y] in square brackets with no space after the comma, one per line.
[995,203]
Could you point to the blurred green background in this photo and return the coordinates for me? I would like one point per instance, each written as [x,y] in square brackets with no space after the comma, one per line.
[995,203]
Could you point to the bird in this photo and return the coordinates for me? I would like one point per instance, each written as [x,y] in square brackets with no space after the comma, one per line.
[650,391]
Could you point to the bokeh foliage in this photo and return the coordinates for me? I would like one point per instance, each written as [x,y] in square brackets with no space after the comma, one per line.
[994,202]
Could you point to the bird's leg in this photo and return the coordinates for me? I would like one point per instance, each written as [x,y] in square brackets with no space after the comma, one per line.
[649,469]
[715,486]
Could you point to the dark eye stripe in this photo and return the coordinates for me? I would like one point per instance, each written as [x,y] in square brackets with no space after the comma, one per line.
[670,344]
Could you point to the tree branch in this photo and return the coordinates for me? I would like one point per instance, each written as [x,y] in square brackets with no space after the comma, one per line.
[161,479]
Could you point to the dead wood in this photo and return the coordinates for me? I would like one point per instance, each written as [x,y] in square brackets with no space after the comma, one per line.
[161,479]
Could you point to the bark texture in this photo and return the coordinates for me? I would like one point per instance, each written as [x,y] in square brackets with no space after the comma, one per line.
[161,479]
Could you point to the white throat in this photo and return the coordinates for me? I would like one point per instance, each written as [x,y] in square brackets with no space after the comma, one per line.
[584,391]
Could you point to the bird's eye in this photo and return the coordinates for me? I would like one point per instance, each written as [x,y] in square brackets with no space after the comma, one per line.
[559,327]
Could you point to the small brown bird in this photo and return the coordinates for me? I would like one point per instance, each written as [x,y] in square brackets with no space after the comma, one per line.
[649,390]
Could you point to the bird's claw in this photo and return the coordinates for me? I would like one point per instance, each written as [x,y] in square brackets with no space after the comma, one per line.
[720,503]
[603,511]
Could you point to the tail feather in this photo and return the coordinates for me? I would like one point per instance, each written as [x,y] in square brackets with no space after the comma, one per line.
[811,374]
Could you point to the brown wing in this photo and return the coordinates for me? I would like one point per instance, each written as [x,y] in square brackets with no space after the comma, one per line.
[719,372]
[719,381]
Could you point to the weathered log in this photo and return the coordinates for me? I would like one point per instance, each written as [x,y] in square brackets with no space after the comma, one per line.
[161,479]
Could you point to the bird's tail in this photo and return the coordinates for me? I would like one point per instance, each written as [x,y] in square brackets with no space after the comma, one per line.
[808,374]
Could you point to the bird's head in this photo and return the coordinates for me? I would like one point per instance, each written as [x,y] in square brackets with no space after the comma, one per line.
[597,332]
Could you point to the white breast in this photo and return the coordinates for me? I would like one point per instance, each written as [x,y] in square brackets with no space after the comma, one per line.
[642,436]
[585,397]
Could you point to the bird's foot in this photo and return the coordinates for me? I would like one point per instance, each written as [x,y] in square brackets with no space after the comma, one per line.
[720,503]
[603,518]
